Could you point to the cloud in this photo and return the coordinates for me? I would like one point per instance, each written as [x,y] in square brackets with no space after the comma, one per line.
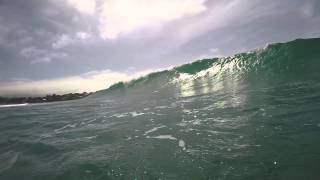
[38,55]
[66,40]
[83,35]
[118,17]
[32,52]
[49,57]
[62,41]
[307,10]
[60,38]
[215,52]
[124,16]
[84,6]
[26,40]
[89,82]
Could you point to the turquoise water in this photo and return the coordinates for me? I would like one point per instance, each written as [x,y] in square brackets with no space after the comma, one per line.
[251,116]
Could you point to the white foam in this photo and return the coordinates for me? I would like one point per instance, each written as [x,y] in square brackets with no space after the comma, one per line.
[187,111]
[164,137]
[91,137]
[246,145]
[119,115]
[134,114]
[182,144]
[162,107]
[210,107]
[196,122]
[183,123]
[13,105]
[64,127]
[91,121]
[153,129]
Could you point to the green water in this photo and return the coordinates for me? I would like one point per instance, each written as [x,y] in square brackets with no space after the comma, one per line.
[251,116]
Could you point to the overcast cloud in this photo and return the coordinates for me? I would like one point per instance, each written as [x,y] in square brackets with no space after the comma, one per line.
[45,44]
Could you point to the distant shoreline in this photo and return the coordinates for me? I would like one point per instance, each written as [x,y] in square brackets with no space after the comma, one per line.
[45,99]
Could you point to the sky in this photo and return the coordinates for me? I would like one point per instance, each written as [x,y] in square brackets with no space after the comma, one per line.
[62,46]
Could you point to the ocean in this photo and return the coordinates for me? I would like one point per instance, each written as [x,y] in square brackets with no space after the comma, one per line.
[253,115]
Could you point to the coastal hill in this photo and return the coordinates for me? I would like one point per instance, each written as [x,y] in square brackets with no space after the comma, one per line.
[47,98]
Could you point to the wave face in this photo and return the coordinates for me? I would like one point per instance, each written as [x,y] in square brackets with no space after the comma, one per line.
[250,116]
[294,61]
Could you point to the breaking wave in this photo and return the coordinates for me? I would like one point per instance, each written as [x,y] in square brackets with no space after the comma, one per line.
[295,61]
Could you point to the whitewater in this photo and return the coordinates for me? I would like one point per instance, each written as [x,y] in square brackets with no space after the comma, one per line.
[253,115]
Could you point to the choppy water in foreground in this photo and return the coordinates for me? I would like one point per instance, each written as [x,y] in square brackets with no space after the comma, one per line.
[220,119]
